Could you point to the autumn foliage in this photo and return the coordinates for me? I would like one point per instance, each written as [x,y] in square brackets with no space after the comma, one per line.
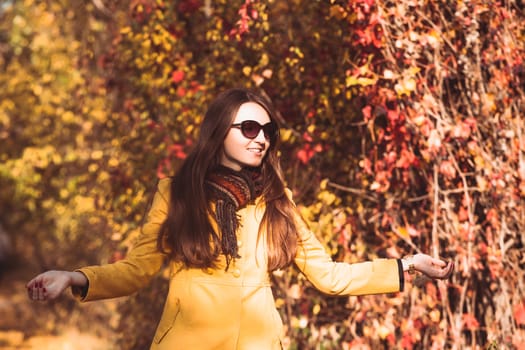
[402,132]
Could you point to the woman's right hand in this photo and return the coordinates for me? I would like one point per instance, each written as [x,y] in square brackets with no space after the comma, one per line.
[50,285]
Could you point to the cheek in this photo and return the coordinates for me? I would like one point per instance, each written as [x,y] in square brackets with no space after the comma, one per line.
[231,147]
[229,144]
[233,142]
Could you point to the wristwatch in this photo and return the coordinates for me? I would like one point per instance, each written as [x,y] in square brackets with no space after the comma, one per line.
[409,260]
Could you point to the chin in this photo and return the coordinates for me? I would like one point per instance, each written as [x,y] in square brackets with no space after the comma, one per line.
[252,164]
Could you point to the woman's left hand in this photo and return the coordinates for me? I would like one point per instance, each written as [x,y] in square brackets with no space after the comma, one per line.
[432,267]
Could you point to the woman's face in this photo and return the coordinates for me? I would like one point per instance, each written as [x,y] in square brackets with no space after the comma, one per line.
[240,151]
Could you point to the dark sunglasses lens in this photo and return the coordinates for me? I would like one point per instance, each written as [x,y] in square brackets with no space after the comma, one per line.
[250,128]
[269,131]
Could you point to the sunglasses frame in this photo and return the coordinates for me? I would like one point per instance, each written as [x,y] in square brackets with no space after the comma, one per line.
[269,129]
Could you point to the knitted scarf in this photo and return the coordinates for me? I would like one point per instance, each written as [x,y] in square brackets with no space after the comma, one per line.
[232,190]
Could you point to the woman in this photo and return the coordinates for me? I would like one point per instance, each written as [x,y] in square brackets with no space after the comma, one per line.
[225,222]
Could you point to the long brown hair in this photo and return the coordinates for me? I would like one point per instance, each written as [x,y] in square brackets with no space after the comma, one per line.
[188,235]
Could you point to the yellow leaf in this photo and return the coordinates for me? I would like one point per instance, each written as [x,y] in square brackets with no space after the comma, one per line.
[99,115]
[113,162]
[103,176]
[361,81]
[97,155]
[246,70]
[286,134]
[327,197]
[403,232]
[63,193]
[37,89]
[279,302]
[125,30]
[263,62]
[480,162]
[316,309]
[84,204]
[412,71]
[68,117]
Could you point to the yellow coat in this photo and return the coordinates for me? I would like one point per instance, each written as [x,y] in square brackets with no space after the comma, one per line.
[234,309]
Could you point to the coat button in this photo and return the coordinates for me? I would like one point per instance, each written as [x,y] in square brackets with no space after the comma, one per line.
[236,273]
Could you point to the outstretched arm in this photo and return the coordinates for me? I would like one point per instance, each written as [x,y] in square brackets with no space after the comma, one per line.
[121,278]
[370,277]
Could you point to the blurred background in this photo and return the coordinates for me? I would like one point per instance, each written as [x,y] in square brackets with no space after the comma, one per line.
[403,131]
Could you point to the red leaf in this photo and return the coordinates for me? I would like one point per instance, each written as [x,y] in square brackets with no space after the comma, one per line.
[463,214]
[305,154]
[470,322]
[393,116]
[181,92]
[407,341]
[177,151]
[177,76]
[519,314]
[307,137]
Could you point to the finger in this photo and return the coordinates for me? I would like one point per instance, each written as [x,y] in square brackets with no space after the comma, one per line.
[43,291]
[38,291]
[446,272]
[31,284]
[34,293]
[450,269]
[41,294]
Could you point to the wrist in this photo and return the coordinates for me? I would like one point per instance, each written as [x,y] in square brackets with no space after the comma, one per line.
[77,279]
[408,264]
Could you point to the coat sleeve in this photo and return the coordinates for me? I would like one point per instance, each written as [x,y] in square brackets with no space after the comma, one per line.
[142,262]
[341,278]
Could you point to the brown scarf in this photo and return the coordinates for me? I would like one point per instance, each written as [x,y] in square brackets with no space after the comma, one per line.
[232,190]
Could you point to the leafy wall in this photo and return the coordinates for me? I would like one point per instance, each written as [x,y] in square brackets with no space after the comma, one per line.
[402,132]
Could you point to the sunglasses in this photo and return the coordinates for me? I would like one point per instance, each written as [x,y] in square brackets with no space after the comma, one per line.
[250,129]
